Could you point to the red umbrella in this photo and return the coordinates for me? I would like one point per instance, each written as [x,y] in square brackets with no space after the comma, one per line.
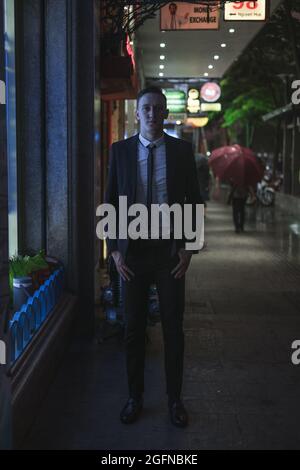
[236,164]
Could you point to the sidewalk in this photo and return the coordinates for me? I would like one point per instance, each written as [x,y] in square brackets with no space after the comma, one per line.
[240,387]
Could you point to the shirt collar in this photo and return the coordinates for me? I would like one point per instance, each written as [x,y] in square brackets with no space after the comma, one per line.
[146,142]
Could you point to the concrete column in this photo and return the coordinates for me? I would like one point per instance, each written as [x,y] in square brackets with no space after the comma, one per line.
[56,144]
[82,154]
[56,129]
[30,73]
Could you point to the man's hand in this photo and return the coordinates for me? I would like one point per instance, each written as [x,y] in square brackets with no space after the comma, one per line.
[182,266]
[122,269]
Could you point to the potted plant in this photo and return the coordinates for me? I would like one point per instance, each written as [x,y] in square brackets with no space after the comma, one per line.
[20,280]
[26,274]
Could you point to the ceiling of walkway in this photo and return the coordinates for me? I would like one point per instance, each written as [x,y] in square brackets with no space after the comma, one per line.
[188,54]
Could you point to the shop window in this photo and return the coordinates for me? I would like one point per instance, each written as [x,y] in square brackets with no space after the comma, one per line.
[10,78]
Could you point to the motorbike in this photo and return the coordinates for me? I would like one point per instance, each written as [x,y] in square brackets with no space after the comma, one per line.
[266,191]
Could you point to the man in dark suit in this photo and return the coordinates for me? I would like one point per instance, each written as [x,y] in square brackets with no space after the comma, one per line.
[152,168]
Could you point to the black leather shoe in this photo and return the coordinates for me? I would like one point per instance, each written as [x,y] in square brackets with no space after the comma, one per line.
[131,410]
[178,414]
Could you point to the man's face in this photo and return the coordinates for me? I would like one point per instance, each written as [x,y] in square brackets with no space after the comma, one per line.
[173,9]
[151,113]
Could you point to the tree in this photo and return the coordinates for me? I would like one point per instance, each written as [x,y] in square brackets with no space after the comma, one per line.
[253,85]
[247,109]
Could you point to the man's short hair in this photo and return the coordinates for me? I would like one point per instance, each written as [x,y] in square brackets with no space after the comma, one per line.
[151,89]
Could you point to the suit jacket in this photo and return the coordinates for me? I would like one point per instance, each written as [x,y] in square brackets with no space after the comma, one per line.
[182,182]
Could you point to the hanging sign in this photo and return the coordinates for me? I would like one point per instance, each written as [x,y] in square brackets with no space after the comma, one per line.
[188,16]
[197,121]
[193,102]
[173,118]
[176,100]
[210,92]
[205,107]
[246,11]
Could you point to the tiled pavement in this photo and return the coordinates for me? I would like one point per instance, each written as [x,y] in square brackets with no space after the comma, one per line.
[240,387]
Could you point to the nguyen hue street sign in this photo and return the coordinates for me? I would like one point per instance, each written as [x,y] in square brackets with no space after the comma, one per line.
[246,11]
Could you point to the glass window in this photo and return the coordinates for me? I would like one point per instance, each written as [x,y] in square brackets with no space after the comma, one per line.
[9,29]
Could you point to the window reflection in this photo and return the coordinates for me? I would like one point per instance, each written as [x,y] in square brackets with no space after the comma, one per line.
[9,14]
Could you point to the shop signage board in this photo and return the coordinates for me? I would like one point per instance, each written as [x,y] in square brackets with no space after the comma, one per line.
[173,118]
[210,92]
[176,100]
[205,107]
[182,16]
[193,102]
[246,11]
[197,121]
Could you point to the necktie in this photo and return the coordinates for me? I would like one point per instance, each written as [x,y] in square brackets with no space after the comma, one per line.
[151,148]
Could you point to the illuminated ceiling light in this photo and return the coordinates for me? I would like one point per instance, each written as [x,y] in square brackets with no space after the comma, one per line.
[161,66]
[206,74]
[216,57]
[210,66]
[208,154]
[131,43]
[162,44]
[232,30]
[223,44]
[162,57]
[161,74]
[178,123]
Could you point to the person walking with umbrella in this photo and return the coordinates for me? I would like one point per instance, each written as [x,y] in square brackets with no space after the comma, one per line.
[240,167]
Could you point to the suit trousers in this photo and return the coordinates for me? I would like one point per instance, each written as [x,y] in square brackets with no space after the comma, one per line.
[152,262]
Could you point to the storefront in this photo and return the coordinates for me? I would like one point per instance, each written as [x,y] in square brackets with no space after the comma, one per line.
[48,170]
